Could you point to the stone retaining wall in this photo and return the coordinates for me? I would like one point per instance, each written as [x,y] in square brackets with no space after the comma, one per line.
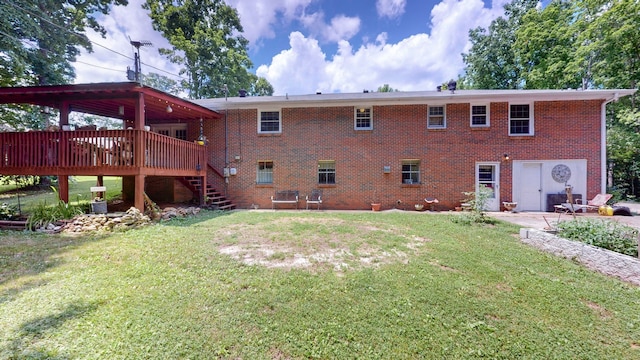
[605,261]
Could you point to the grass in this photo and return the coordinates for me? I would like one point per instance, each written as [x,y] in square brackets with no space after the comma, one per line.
[391,285]
[79,191]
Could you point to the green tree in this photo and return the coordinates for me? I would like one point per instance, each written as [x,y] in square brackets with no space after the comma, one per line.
[545,45]
[39,41]
[261,87]
[491,62]
[386,88]
[205,38]
[163,83]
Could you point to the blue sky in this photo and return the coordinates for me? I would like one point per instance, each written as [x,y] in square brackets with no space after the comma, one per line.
[304,46]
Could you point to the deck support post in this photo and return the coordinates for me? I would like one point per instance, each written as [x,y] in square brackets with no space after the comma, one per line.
[63,191]
[138,197]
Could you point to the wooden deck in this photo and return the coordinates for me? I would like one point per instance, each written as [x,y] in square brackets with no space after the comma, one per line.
[103,152]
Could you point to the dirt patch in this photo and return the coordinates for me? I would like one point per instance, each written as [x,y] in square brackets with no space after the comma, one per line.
[601,311]
[317,244]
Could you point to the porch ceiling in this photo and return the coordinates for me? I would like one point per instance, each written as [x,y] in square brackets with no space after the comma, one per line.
[105,99]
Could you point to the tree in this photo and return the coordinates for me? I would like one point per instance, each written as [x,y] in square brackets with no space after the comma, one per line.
[206,42]
[163,83]
[39,39]
[491,62]
[261,87]
[386,88]
[545,45]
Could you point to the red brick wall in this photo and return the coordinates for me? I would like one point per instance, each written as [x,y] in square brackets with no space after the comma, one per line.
[563,130]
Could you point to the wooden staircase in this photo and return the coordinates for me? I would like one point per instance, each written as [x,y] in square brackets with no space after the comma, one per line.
[213,198]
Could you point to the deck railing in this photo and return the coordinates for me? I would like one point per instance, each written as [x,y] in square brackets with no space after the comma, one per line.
[106,149]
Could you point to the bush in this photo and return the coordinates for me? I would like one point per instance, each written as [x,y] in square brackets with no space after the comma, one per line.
[9,212]
[478,203]
[43,214]
[608,235]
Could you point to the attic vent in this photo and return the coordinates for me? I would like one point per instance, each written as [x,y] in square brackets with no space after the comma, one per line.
[242,93]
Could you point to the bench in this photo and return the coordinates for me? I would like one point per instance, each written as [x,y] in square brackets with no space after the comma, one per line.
[285,197]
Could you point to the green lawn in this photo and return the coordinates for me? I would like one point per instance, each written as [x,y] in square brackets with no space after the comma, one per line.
[79,191]
[297,285]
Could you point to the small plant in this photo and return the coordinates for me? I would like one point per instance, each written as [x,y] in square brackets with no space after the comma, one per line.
[477,204]
[8,212]
[608,235]
[43,214]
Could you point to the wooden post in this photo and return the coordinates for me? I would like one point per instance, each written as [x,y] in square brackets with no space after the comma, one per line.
[138,196]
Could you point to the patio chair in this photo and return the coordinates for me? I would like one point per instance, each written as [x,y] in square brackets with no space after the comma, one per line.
[314,198]
[593,204]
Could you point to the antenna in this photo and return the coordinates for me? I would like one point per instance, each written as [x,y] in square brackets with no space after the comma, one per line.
[136,74]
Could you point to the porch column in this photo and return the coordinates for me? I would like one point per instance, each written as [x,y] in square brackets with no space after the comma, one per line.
[138,197]
[63,180]
[139,117]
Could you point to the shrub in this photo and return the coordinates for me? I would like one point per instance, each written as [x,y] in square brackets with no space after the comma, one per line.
[605,234]
[478,203]
[9,212]
[43,214]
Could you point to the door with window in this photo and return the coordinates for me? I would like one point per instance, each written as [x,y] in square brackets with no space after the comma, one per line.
[488,175]
[178,131]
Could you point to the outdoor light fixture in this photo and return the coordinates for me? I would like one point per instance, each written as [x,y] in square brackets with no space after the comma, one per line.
[505,157]
[169,109]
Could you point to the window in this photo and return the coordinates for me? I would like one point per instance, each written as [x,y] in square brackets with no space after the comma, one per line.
[363,119]
[410,171]
[520,119]
[178,131]
[265,172]
[436,118]
[327,172]
[269,122]
[479,115]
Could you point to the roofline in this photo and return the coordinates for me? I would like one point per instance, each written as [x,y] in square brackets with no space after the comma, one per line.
[105,87]
[411,97]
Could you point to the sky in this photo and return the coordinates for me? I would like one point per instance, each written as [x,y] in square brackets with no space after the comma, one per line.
[309,46]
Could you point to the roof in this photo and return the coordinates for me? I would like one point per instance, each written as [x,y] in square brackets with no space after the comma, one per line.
[412,97]
[105,99]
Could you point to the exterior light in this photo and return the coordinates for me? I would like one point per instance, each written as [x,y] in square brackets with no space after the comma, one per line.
[169,109]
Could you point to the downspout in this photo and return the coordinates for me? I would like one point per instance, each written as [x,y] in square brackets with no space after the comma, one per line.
[226,142]
[603,143]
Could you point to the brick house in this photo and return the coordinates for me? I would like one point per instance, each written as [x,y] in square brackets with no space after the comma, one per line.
[399,148]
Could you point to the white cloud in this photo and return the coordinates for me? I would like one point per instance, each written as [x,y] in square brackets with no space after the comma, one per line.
[390,8]
[419,62]
[259,16]
[341,27]
[303,65]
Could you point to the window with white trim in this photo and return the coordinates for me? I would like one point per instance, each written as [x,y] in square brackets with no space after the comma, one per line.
[437,118]
[520,119]
[178,131]
[363,118]
[326,172]
[411,171]
[479,115]
[269,122]
[264,172]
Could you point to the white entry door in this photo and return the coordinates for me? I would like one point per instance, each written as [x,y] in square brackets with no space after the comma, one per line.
[530,187]
[488,174]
